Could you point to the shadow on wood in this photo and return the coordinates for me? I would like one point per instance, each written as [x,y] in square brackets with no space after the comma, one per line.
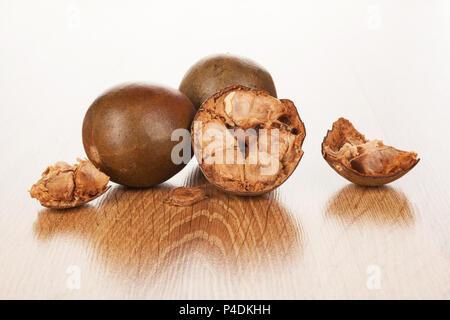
[134,233]
[368,205]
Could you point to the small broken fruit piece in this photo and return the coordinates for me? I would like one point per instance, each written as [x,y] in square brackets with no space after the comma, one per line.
[65,186]
[361,161]
[246,141]
[183,196]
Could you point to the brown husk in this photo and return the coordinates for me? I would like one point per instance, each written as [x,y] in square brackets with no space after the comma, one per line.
[224,111]
[64,186]
[183,196]
[362,161]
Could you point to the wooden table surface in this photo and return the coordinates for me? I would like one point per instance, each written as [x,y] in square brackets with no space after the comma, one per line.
[317,236]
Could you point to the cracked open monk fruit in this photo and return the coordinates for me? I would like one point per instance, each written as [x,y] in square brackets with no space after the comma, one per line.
[246,141]
[65,186]
[362,161]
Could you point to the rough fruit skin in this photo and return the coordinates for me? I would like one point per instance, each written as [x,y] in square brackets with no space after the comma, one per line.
[216,72]
[127,133]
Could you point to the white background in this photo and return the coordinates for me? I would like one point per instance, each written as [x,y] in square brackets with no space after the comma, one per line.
[377,63]
[56,57]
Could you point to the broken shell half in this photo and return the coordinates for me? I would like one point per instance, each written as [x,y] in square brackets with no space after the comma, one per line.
[246,141]
[361,161]
[64,186]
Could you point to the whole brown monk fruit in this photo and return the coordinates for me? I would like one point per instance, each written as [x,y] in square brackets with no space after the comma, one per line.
[127,133]
[216,72]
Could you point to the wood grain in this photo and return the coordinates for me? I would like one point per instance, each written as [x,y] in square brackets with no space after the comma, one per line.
[366,205]
[133,233]
[384,66]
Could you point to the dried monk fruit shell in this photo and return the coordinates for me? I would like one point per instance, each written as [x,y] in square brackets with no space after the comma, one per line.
[361,161]
[64,186]
[246,141]
[183,196]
